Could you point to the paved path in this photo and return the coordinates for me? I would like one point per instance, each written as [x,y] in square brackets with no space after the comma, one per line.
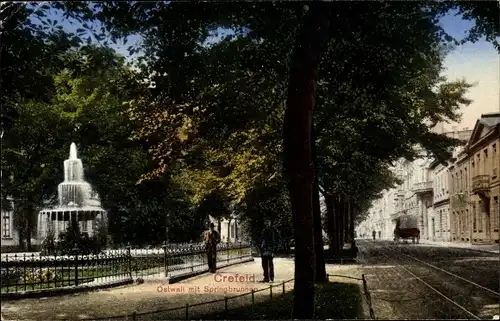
[495,248]
[147,297]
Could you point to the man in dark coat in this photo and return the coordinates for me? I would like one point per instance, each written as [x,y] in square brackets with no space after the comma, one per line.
[268,247]
[211,239]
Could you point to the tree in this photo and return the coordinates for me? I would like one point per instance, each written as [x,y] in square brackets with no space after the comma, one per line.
[298,163]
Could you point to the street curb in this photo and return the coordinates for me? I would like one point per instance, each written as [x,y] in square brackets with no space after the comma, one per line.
[463,248]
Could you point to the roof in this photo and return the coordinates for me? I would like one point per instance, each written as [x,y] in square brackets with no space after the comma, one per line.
[484,125]
[490,120]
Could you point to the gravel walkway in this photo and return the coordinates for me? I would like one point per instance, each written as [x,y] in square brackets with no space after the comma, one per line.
[145,298]
[149,297]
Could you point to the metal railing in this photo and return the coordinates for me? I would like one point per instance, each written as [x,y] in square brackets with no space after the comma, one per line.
[135,316]
[36,272]
[422,187]
[480,182]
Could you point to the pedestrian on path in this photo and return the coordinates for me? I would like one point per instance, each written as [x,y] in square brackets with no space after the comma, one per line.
[268,246]
[211,239]
[374,234]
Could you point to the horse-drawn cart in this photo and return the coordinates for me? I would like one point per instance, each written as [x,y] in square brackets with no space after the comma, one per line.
[406,233]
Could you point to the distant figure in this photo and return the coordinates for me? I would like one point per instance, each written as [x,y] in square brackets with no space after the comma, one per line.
[374,234]
[211,239]
[268,247]
[379,234]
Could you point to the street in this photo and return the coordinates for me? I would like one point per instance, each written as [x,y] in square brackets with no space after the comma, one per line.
[419,281]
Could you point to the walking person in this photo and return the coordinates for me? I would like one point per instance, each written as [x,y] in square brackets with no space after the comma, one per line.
[374,234]
[211,239]
[268,246]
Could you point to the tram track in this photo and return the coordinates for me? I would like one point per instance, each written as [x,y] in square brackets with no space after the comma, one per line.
[466,298]
[449,273]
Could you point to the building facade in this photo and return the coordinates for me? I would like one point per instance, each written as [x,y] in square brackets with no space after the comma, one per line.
[484,181]
[458,177]
[426,199]
[439,220]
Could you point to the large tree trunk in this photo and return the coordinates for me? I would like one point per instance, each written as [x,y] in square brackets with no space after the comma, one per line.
[339,223]
[320,275]
[330,223]
[30,213]
[351,224]
[320,272]
[297,149]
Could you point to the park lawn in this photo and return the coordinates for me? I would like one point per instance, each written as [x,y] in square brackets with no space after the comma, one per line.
[333,301]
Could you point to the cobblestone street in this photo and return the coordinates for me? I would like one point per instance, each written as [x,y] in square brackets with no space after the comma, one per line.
[430,282]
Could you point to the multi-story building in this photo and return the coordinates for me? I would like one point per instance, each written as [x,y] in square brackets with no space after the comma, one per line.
[484,179]
[439,220]
[422,200]
[458,178]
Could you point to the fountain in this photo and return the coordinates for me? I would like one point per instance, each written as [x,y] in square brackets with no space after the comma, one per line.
[77,201]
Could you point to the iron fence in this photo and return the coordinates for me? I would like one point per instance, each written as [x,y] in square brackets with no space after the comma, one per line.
[34,272]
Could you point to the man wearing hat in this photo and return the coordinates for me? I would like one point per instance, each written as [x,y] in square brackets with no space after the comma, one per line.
[268,247]
[211,239]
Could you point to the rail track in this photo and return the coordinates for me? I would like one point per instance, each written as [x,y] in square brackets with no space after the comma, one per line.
[467,298]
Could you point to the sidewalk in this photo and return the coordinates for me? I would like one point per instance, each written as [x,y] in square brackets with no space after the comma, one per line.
[494,248]
[148,297]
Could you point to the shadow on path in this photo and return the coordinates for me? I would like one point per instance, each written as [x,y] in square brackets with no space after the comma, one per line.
[333,301]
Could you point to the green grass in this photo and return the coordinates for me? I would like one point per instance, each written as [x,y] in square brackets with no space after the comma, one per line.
[333,301]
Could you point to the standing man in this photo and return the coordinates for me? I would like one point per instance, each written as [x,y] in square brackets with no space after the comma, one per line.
[211,239]
[268,246]
[374,234]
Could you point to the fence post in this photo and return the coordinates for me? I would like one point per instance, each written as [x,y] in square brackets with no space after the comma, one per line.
[283,284]
[134,316]
[225,303]
[187,311]
[253,301]
[270,291]
[192,256]
[75,250]
[165,265]
[228,251]
[239,250]
[129,259]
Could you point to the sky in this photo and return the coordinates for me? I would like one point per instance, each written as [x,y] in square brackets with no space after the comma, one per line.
[477,63]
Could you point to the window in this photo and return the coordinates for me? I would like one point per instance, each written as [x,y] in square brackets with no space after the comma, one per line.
[496,214]
[478,168]
[474,222]
[485,168]
[494,159]
[6,232]
[480,216]
[466,179]
[84,226]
